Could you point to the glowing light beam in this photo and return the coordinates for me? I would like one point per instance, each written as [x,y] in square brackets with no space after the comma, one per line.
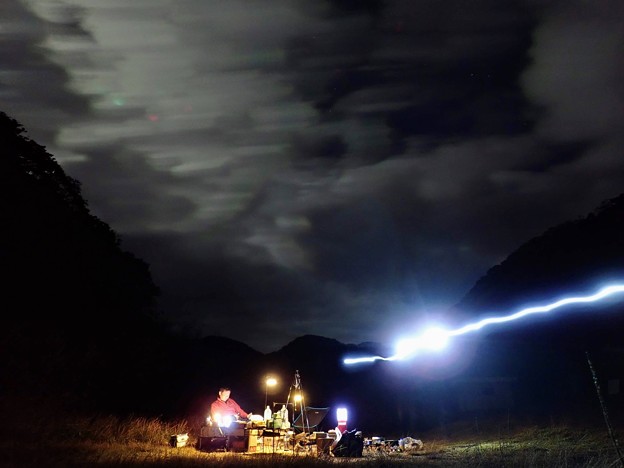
[437,338]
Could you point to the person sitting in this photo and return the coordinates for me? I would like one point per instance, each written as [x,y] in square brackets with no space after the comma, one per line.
[225,408]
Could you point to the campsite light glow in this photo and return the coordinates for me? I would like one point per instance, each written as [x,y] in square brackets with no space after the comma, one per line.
[437,338]
[341,417]
[223,421]
[433,339]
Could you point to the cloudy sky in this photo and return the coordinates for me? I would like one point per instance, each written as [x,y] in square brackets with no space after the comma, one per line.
[336,167]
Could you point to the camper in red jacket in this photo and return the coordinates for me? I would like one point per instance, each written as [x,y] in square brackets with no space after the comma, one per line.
[224,408]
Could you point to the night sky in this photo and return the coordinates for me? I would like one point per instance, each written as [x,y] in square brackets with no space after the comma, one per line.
[342,168]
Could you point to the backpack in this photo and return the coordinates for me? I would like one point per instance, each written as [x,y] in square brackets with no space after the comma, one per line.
[351,444]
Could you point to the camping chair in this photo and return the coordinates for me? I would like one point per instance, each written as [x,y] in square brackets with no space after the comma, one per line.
[309,419]
[305,424]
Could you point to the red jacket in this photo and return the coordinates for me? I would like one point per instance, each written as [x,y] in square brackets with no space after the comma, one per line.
[226,408]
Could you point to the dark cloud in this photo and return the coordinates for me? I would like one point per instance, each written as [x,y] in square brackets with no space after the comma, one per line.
[138,204]
[317,146]
[342,168]
[31,84]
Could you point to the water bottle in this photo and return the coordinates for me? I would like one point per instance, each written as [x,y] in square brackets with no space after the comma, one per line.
[267,413]
[284,412]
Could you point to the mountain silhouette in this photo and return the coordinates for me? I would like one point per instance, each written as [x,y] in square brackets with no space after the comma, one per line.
[576,258]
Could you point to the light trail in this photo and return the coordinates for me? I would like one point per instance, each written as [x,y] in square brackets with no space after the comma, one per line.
[436,338]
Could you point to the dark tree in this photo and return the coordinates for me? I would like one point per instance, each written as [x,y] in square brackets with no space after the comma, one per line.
[79,313]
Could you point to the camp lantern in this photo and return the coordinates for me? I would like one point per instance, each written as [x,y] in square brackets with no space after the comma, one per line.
[341,416]
[223,421]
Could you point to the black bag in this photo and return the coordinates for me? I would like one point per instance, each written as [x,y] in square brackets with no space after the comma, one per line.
[212,444]
[351,444]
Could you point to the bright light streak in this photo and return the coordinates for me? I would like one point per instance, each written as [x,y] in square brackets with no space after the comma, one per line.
[361,360]
[434,339]
[437,338]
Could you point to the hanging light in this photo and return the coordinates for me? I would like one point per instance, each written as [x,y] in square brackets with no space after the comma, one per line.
[268,382]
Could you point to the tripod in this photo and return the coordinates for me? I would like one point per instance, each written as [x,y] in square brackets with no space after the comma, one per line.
[300,399]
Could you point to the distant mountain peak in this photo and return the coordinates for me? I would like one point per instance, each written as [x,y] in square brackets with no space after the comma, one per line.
[313,341]
[227,345]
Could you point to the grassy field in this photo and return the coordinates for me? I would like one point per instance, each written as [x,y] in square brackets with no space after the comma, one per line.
[107,441]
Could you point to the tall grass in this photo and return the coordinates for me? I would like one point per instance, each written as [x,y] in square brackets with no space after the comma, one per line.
[134,441]
[115,430]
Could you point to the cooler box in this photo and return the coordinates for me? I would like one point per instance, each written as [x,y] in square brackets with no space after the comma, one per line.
[179,440]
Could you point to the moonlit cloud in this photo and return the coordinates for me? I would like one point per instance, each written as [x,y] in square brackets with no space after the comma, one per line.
[577,71]
[324,167]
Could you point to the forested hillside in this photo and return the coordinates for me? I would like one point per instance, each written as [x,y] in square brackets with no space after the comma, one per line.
[78,312]
[574,257]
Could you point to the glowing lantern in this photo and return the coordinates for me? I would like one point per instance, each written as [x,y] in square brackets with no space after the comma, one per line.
[223,421]
[341,416]
[268,382]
